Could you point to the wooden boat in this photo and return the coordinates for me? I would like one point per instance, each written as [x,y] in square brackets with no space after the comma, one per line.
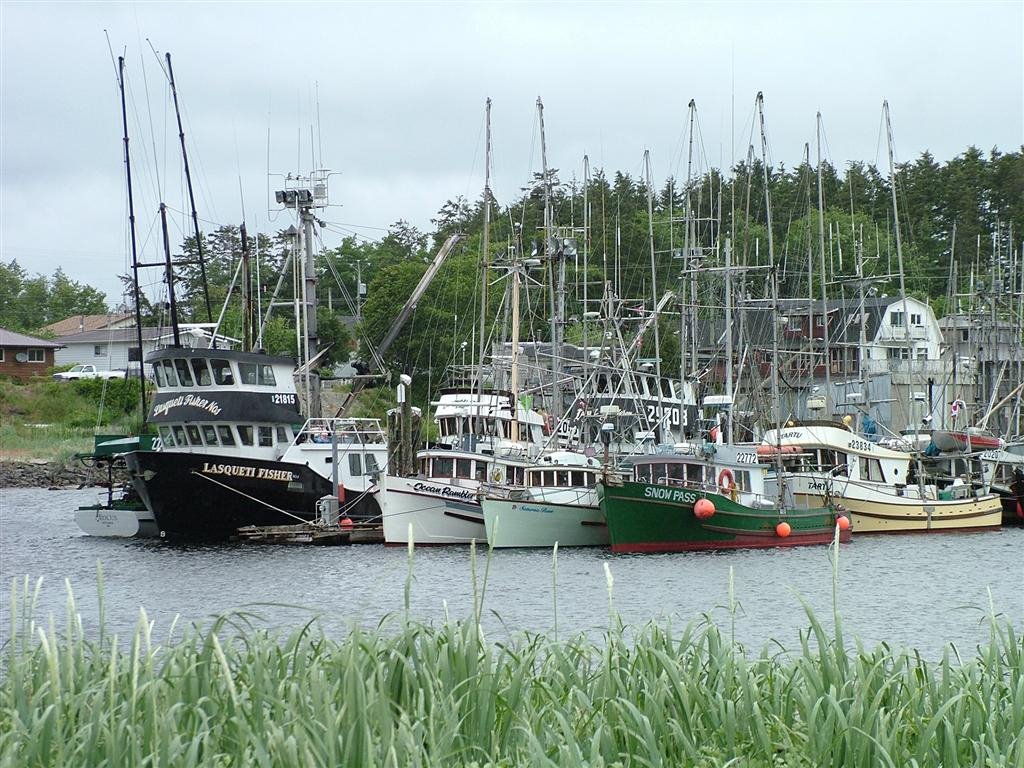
[706,498]
[881,488]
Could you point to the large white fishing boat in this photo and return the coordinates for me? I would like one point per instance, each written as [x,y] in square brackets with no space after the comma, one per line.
[881,488]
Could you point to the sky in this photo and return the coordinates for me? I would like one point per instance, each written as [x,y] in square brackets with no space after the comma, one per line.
[390,97]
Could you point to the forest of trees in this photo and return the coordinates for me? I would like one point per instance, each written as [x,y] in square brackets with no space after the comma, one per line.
[979,196]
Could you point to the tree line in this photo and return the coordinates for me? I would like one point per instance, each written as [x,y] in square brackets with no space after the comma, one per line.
[959,223]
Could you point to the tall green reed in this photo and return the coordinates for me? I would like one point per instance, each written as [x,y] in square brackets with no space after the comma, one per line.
[410,693]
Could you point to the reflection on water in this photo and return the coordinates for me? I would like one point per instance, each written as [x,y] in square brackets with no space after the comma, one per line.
[916,590]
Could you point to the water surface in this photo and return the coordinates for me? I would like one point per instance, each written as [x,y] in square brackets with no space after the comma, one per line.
[921,591]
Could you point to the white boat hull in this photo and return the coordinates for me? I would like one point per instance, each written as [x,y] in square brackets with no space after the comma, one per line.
[437,514]
[542,524]
[117,523]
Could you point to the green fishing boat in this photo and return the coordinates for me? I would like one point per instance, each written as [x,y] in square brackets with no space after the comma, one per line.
[709,497]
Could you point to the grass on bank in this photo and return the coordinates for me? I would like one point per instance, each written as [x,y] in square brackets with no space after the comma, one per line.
[45,419]
[416,694]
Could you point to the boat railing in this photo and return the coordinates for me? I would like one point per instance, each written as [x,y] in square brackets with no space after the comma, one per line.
[348,431]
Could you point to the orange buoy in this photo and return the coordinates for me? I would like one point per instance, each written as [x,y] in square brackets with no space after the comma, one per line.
[345,523]
[783,530]
[843,522]
[703,509]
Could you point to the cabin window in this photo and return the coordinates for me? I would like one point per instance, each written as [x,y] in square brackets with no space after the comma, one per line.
[282,435]
[247,373]
[202,372]
[244,434]
[266,376]
[425,467]
[442,467]
[222,373]
[179,435]
[171,376]
[166,436]
[643,472]
[184,373]
[225,434]
[480,471]
[515,475]
[694,474]
[194,438]
[99,350]
[666,388]
[741,477]
[533,479]
[562,479]
[266,437]
[158,374]
[355,464]
[677,472]
[370,462]
[873,469]
[579,479]
[464,468]
[209,434]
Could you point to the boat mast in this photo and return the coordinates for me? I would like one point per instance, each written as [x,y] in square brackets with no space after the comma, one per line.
[899,262]
[191,197]
[586,253]
[654,293]
[821,266]
[169,276]
[131,227]
[486,260]
[246,280]
[553,251]
[774,280]
[687,320]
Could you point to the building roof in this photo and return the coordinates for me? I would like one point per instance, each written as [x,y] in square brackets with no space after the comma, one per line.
[80,323]
[113,335]
[12,339]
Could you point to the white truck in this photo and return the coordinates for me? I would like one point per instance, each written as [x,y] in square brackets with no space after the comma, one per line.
[87,372]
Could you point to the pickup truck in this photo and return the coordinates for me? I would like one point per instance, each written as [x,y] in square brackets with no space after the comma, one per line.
[87,372]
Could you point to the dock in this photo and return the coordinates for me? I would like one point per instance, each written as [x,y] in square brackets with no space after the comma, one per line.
[311,533]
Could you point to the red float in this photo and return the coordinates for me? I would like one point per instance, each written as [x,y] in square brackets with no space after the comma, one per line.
[782,530]
[843,522]
[704,509]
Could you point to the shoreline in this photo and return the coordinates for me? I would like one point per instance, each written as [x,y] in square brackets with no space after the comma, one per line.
[56,475]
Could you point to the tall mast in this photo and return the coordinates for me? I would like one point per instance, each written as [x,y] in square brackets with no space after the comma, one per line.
[654,289]
[586,252]
[899,256]
[774,279]
[169,274]
[824,292]
[553,251]
[131,227]
[486,260]
[687,328]
[191,196]
[246,281]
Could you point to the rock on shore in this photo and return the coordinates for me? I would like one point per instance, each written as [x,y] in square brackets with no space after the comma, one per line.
[39,473]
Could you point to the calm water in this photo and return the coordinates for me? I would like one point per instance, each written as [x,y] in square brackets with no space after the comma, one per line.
[918,591]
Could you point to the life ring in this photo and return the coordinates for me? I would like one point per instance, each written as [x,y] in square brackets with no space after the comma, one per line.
[726,482]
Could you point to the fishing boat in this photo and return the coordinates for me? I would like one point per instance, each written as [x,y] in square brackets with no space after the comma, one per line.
[119,512]
[883,489]
[556,503]
[709,497]
[1003,472]
[486,437]
[231,453]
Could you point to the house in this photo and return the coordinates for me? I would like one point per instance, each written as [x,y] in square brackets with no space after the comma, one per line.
[82,323]
[109,348]
[22,357]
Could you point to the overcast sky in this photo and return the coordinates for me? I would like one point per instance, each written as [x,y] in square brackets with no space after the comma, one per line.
[398,92]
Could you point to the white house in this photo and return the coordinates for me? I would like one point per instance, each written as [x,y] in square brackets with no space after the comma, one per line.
[107,349]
